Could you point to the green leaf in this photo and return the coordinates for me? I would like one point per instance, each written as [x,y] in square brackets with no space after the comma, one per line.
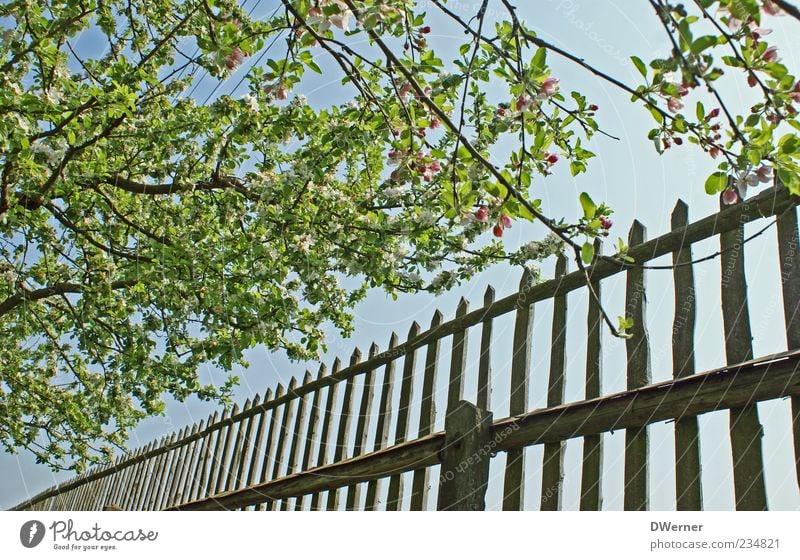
[587,253]
[716,182]
[538,60]
[588,205]
[702,43]
[639,65]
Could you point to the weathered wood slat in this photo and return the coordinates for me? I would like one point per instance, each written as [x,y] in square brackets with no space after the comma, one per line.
[131,483]
[237,463]
[745,428]
[592,467]
[768,378]
[252,470]
[395,494]
[199,485]
[224,473]
[688,483]
[484,397]
[638,374]
[189,470]
[327,426]
[246,447]
[514,481]
[311,434]
[121,482]
[182,457]
[269,446]
[214,458]
[166,478]
[362,428]
[383,423]
[296,442]
[427,418]
[147,481]
[343,431]
[458,360]
[283,435]
[170,470]
[160,478]
[553,457]
[788,246]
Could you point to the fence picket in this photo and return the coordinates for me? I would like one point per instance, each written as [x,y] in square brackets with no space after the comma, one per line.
[295,441]
[688,484]
[514,480]
[362,428]
[427,417]
[311,434]
[245,447]
[553,456]
[484,397]
[637,441]
[225,472]
[343,431]
[383,422]
[745,428]
[269,446]
[788,245]
[184,482]
[395,495]
[458,360]
[591,476]
[204,459]
[327,425]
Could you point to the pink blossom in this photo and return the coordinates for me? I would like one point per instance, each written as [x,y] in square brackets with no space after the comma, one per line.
[730,196]
[712,114]
[593,107]
[522,101]
[551,159]
[606,223]
[505,221]
[426,29]
[405,89]
[795,93]
[482,214]
[282,92]
[497,230]
[764,174]
[435,166]
[771,54]
[674,104]
[435,123]
[751,80]
[235,58]
[550,87]
[501,112]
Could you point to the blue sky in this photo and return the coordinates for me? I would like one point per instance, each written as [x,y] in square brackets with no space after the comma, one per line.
[636,182]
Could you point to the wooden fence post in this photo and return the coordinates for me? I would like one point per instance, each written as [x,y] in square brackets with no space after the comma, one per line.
[465,459]
[745,428]
[688,484]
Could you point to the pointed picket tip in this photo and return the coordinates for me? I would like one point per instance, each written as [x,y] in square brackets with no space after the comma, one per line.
[680,214]
[414,330]
[292,384]
[562,264]
[355,357]
[488,295]
[256,400]
[637,233]
[268,395]
[322,372]
[247,404]
[235,409]
[437,318]
[394,340]
[213,417]
[463,306]
[337,365]
[202,425]
[527,279]
[279,390]
[373,350]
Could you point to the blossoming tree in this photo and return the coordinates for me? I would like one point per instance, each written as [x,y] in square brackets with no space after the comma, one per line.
[145,231]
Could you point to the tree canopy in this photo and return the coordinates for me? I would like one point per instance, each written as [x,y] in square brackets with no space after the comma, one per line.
[145,231]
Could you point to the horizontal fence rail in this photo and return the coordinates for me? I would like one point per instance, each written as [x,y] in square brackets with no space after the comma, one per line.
[330,433]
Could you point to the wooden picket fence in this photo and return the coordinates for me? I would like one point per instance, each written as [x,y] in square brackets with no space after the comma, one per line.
[296,448]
